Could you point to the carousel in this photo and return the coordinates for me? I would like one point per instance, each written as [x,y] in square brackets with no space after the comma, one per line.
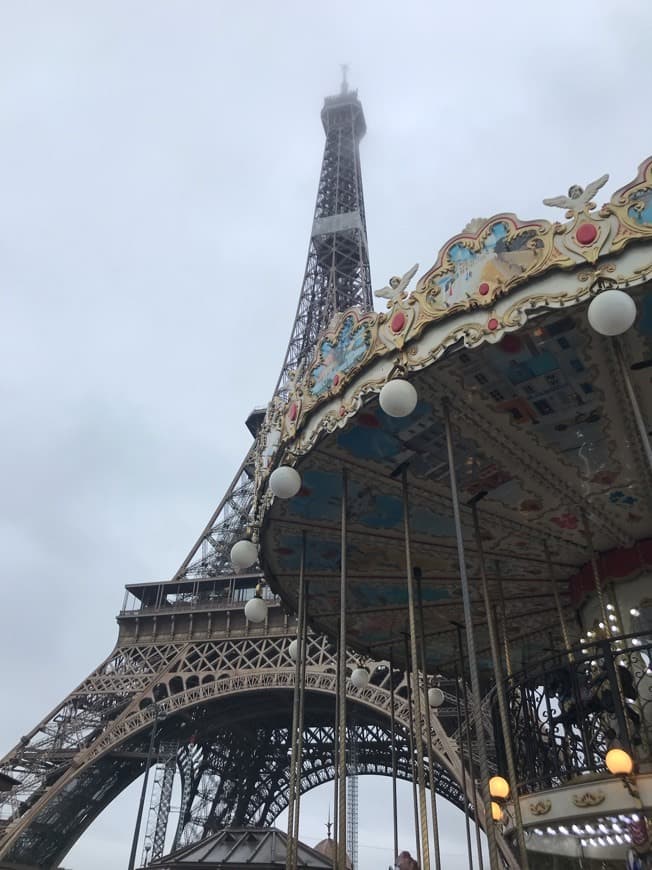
[461,487]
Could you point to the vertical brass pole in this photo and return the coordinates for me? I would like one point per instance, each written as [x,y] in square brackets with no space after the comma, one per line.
[416,690]
[597,577]
[470,642]
[633,402]
[295,708]
[393,725]
[460,739]
[341,823]
[560,612]
[431,759]
[500,694]
[336,754]
[143,791]
[411,741]
[503,621]
[303,647]
[469,747]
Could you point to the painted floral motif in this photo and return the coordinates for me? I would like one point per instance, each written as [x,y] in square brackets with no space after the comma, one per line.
[340,355]
[621,498]
[566,521]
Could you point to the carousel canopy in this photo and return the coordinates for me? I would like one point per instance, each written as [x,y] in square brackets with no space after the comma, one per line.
[547,443]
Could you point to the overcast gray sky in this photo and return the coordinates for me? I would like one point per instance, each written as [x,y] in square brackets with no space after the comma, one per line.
[158,167]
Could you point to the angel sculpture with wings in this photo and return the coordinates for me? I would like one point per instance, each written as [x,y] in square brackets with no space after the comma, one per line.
[397,286]
[578,199]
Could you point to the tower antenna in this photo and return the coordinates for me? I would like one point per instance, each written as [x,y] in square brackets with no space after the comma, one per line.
[345,85]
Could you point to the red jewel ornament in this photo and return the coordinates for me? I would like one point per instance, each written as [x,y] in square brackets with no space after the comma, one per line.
[397,322]
[483,289]
[342,411]
[336,380]
[493,324]
[293,412]
[586,233]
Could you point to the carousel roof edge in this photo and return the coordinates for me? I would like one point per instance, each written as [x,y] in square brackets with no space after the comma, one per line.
[486,281]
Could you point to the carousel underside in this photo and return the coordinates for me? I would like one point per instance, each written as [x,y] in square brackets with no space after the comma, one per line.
[545,445]
[473,467]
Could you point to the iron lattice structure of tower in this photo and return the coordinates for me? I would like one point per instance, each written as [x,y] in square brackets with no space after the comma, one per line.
[188,664]
[337,273]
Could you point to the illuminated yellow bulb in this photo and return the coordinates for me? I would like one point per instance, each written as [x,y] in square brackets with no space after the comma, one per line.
[498,787]
[619,762]
[496,812]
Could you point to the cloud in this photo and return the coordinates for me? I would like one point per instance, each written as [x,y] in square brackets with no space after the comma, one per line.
[158,164]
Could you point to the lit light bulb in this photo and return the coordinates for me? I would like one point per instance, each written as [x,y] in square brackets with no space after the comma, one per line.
[610,607]
[635,611]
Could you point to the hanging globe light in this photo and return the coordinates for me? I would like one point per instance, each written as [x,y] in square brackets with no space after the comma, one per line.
[360,677]
[398,398]
[498,787]
[435,697]
[612,312]
[293,649]
[243,554]
[285,482]
[619,762]
[255,609]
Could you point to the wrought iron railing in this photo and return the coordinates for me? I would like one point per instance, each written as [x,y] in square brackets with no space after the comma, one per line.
[566,712]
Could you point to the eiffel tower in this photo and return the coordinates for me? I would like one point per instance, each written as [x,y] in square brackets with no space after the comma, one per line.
[189,676]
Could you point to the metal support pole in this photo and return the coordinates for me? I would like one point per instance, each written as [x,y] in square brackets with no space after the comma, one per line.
[560,612]
[415,799]
[500,693]
[416,691]
[341,825]
[633,402]
[336,754]
[503,621]
[429,750]
[392,713]
[469,747]
[460,740]
[303,649]
[597,578]
[470,642]
[295,709]
[143,792]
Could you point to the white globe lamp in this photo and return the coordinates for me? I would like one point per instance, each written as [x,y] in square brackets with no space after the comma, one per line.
[285,482]
[398,398]
[293,649]
[360,677]
[435,697]
[612,312]
[255,610]
[243,554]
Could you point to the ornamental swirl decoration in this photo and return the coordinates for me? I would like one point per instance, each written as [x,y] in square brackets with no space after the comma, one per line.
[589,798]
[540,807]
